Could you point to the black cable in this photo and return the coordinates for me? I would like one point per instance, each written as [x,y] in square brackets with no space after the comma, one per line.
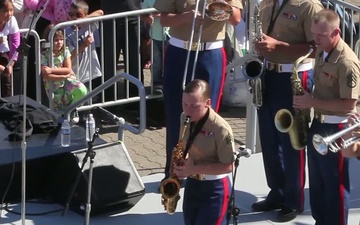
[6,208]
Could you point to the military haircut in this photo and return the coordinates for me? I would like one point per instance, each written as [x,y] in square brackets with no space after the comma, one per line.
[200,85]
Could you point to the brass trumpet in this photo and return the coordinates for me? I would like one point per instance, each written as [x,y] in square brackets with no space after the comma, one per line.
[324,144]
[218,10]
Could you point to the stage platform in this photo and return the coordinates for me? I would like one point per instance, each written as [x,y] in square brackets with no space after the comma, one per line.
[250,187]
[40,144]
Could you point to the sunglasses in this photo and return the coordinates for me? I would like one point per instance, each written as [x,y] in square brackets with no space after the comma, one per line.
[76,14]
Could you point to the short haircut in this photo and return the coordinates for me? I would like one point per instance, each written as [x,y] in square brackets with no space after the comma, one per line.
[327,16]
[79,4]
[200,85]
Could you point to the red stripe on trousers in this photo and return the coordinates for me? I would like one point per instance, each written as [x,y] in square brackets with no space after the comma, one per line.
[305,79]
[304,82]
[223,77]
[226,197]
[341,182]
[302,178]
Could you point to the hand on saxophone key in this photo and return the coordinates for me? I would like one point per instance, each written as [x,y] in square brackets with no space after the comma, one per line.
[186,169]
[266,45]
[303,101]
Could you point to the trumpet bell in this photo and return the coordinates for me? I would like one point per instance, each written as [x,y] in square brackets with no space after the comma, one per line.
[319,144]
[218,10]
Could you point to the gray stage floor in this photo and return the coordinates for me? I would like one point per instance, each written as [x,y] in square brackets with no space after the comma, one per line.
[250,187]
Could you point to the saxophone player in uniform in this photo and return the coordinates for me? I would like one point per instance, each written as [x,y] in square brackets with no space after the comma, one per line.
[336,91]
[286,37]
[210,155]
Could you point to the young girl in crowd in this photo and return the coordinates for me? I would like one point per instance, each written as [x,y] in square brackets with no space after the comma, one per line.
[9,29]
[67,88]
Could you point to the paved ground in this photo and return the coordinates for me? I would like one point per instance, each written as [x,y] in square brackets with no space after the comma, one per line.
[147,150]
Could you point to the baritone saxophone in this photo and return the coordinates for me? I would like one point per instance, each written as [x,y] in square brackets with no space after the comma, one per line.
[170,187]
[253,68]
[297,126]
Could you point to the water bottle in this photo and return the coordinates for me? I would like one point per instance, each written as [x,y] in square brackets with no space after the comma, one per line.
[90,127]
[65,134]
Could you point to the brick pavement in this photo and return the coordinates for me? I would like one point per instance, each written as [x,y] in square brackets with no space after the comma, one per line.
[147,150]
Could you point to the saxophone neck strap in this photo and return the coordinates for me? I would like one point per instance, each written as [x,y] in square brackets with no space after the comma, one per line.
[273,18]
[194,131]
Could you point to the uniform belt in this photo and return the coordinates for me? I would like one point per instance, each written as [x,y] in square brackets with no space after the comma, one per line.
[329,118]
[203,177]
[202,46]
[286,68]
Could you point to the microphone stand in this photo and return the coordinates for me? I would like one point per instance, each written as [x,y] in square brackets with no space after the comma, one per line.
[232,210]
[24,50]
[89,154]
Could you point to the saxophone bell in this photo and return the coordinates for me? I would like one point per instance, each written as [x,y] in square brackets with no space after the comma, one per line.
[285,122]
[253,68]
[170,187]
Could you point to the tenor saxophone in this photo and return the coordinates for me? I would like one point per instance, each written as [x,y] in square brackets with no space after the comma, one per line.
[297,126]
[170,187]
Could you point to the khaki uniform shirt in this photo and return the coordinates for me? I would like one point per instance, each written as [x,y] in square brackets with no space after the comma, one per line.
[293,25]
[211,31]
[214,143]
[338,76]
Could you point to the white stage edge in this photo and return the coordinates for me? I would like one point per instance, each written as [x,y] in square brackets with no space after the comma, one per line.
[250,187]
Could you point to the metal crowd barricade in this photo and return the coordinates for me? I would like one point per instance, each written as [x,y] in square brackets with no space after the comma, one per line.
[100,20]
[349,17]
[17,85]
[37,62]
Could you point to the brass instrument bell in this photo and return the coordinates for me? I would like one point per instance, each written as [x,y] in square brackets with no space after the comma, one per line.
[218,10]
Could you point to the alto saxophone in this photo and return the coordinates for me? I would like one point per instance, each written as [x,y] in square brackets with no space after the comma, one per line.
[253,68]
[297,126]
[170,187]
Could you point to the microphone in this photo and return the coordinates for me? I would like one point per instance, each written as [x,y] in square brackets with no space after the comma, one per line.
[243,152]
[109,115]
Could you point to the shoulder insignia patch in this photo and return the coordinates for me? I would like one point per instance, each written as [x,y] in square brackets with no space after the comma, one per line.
[351,80]
[229,139]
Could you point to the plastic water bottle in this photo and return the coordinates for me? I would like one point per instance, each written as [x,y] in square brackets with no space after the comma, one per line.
[65,134]
[90,127]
